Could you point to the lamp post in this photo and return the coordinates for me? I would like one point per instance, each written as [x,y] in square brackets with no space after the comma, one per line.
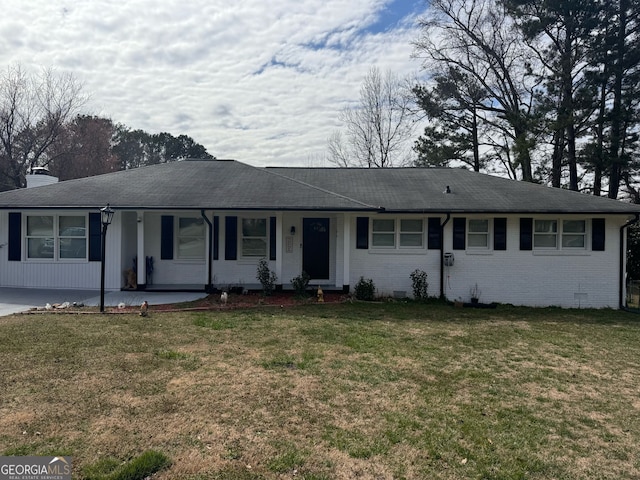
[106,215]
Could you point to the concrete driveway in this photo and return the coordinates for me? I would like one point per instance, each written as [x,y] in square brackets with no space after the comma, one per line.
[16,300]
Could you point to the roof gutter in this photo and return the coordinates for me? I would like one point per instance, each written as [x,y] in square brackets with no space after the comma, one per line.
[209,287]
[623,257]
[442,255]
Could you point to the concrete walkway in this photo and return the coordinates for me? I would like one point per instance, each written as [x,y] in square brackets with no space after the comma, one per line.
[16,300]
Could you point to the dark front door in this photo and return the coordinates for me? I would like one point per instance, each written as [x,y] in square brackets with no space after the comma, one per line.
[315,247]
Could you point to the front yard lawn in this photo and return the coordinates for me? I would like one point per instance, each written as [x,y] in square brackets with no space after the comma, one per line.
[370,391]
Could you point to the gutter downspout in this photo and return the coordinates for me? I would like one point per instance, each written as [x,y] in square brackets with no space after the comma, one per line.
[208,287]
[442,256]
[622,258]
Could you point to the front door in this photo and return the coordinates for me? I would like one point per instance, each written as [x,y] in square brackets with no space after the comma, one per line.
[315,247]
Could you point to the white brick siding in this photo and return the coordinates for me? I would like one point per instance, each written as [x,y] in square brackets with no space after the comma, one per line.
[562,278]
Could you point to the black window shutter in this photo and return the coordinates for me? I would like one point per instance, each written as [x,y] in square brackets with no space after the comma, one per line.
[272,238]
[230,238]
[459,232]
[15,236]
[434,234]
[597,234]
[95,237]
[499,233]
[526,233]
[216,239]
[362,232]
[166,238]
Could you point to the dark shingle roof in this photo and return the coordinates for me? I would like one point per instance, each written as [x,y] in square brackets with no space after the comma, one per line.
[422,189]
[193,184]
[229,185]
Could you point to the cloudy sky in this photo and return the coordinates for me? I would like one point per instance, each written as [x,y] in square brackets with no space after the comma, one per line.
[258,81]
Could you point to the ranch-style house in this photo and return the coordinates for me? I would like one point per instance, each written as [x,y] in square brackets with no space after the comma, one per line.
[205,224]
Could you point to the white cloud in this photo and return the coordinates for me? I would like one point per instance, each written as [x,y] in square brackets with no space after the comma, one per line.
[260,82]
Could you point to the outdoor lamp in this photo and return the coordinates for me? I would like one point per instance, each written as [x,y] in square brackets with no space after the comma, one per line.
[293,230]
[106,215]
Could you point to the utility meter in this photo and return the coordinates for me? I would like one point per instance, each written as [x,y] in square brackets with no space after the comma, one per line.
[448,259]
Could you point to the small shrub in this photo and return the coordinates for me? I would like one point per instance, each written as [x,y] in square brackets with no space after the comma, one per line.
[419,284]
[365,290]
[300,283]
[266,277]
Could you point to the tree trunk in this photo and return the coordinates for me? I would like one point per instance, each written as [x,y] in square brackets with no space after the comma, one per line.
[476,146]
[568,114]
[556,160]
[523,155]
[598,161]
[616,112]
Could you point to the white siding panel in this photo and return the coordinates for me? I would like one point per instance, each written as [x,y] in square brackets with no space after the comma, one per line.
[390,270]
[77,274]
[559,278]
[174,271]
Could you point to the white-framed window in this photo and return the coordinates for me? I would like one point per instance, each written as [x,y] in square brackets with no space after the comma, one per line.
[574,234]
[56,237]
[190,241]
[545,234]
[478,233]
[383,233]
[72,236]
[411,233]
[390,233]
[253,238]
[555,234]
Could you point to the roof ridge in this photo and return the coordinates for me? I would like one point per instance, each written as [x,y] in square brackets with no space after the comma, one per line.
[315,187]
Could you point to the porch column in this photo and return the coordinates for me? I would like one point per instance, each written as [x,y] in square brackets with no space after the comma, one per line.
[142,260]
[209,248]
[346,250]
[278,266]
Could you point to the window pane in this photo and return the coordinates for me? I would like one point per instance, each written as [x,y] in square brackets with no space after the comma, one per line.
[411,239]
[73,247]
[254,247]
[544,241]
[191,226]
[546,226]
[479,226]
[573,241]
[383,226]
[410,226]
[40,247]
[39,225]
[72,226]
[383,239]
[190,247]
[478,240]
[574,226]
[254,227]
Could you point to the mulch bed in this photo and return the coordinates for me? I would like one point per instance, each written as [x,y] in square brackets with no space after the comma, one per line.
[253,299]
[212,302]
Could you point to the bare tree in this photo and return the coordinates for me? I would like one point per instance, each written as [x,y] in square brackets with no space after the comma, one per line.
[33,111]
[480,40]
[378,129]
[84,149]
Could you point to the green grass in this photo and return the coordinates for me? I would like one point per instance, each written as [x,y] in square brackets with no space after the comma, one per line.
[389,390]
[138,468]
